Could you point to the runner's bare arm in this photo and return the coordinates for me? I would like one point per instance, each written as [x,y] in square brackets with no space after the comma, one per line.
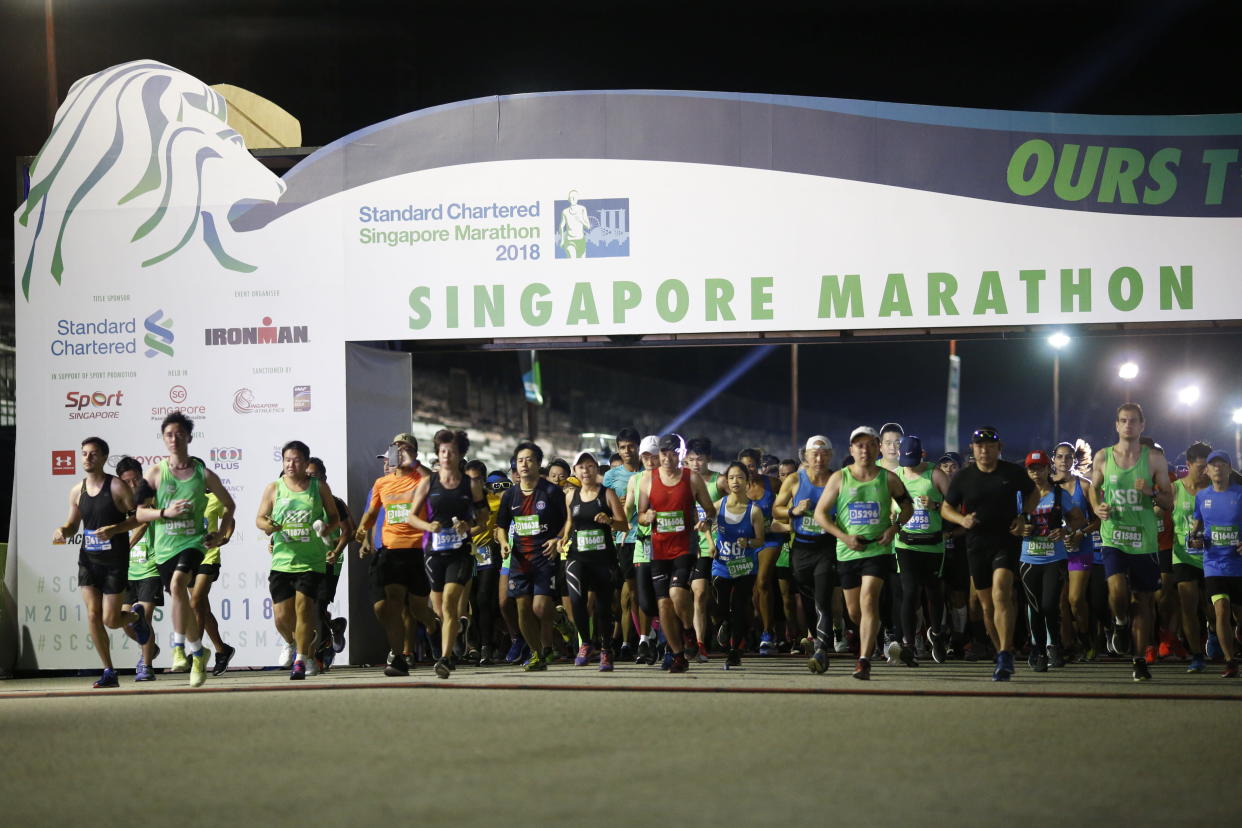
[780,506]
[70,526]
[414,518]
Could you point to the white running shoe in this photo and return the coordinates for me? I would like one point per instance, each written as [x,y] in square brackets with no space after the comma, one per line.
[312,667]
[892,651]
[286,656]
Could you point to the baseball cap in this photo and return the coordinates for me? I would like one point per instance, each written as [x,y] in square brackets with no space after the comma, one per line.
[950,455]
[864,430]
[1220,455]
[673,442]
[649,445]
[819,441]
[1037,458]
[911,451]
[406,437]
[583,456]
[985,434]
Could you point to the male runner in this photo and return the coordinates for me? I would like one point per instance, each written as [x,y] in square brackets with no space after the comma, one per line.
[1188,561]
[812,550]
[145,590]
[666,501]
[331,630]
[760,490]
[1216,529]
[857,509]
[891,602]
[208,573]
[102,504]
[617,478]
[983,499]
[698,456]
[181,484]
[1123,498]
[920,549]
[644,589]
[484,593]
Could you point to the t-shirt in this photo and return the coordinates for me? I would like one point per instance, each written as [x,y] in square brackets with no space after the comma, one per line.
[993,497]
[618,479]
[536,517]
[1220,513]
[395,492]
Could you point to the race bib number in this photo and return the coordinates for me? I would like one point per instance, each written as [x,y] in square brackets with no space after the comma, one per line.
[670,522]
[138,554]
[700,511]
[591,540]
[1040,547]
[1127,536]
[526,525]
[1224,536]
[642,551]
[1097,540]
[919,521]
[179,526]
[808,526]
[395,513]
[92,542]
[445,539]
[865,513]
[295,533]
[740,567]
[482,555]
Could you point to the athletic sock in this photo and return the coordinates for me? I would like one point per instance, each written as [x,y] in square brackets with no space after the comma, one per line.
[1120,622]
[178,638]
[300,657]
[194,647]
[642,639]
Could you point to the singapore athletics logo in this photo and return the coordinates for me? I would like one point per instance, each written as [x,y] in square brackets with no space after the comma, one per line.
[244,403]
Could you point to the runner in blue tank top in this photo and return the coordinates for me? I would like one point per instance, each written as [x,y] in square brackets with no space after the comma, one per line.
[740,526]
[761,494]
[813,550]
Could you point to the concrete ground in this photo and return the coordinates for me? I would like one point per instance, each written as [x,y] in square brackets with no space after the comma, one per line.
[940,745]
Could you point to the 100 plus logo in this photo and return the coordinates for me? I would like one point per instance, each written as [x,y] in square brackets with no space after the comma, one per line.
[226,458]
[101,405]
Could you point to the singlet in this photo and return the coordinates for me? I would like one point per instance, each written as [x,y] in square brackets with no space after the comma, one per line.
[443,505]
[730,561]
[1221,516]
[211,521]
[590,540]
[1079,500]
[925,519]
[395,492]
[806,532]
[640,533]
[1131,526]
[863,508]
[97,511]
[141,561]
[1048,515]
[673,530]
[1183,512]
[618,479]
[765,503]
[707,540]
[296,547]
[186,531]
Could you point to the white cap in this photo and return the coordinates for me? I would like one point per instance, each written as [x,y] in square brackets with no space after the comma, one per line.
[867,430]
[584,455]
[819,441]
[649,445]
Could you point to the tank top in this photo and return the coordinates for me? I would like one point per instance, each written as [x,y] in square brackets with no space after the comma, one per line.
[805,529]
[100,510]
[925,519]
[730,561]
[590,540]
[764,503]
[1049,514]
[1183,512]
[141,562]
[444,504]
[673,530]
[707,540]
[1078,500]
[864,508]
[187,530]
[296,547]
[1131,526]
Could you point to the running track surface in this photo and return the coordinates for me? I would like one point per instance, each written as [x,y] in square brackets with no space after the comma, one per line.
[934,746]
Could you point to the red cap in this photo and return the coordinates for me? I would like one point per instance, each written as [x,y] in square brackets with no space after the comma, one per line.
[1037,458]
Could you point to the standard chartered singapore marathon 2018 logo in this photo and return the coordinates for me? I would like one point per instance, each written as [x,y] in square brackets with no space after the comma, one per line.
[591,228]
[159,334]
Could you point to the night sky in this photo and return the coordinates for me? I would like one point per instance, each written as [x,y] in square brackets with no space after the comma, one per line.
[340,66]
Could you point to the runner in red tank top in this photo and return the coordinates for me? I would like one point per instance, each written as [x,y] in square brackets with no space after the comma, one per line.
[666,501]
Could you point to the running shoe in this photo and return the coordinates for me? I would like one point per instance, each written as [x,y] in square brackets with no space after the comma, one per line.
[644,652]
[666,663]
[442,668]
[969,653]
[485,656]
[180,664]
[1033,658]
[314,666]
[535,664]
[920,647]
[766,644]
[223,657]
[142,672]
[938,652]
[806,646]
[106,679]
[605,661]
[892,651]
[1004,666]
[679,664]
[326,659]
[198,667]
[1141,673]
[692,648]
[1214,652]
[1041,663]
[1056,659]
[1150,654]
[397,667]
[1179,650]
[584,656]
[862,669]
[563,624]
[906,654]
[702,657]
[140,628]
[1231,669]
[733,659]
[1197,665]
[1165,650]
[840,643]
[515,650]
[627,651]
[285,659]
[818,663]
[1120,639]
[338,625]
[298,672]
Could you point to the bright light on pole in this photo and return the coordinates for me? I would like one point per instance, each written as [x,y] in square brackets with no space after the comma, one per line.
[1058,340]
[1237,416]
[1237,434]
[1128,371]
[1188,395]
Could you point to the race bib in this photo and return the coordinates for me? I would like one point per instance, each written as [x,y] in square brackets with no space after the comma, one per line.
[483,555]
[1224,536]
[179,526]
[864,513]
[295,533]
[1124,536]
[740,567]
[138,554]
[919,521]
[591,540]
[670,522]
[395,513]
[1040,547]
[526,525]
[92,542]
[445,539]
[642,551]
[808,526]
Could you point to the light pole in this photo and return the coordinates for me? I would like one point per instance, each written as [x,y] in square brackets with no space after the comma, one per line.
[1128,371]
[1237,434]
[1058,341]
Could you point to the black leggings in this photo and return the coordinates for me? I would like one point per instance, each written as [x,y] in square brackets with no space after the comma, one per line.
[646,591]
[1042,584]
[815,572]
[735,599]
[919,571]
[485,597]
[584,576]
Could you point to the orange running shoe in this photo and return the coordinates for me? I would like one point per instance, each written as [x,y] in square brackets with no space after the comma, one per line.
[1149,655]
[1166,644]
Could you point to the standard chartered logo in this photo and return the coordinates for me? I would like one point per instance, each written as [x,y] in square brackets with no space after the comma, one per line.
[159,334]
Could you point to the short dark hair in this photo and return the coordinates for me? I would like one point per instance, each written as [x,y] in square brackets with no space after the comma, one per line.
[789,461]
[1198,450]
[177,418]
[128,463]
[737,464]
[98,442]
[447,435]
[769,461]
[615,458]
[478,466]
[1131,406]
[753,453]
[700,445]
[628,435]
[298,446]
[561,464]
[315,461]
[527,445]
[887,427]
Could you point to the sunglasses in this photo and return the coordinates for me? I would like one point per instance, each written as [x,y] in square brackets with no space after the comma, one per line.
[499,485]
[985,435]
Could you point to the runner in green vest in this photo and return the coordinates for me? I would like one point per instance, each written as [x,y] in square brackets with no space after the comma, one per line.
[144,587]
[331,630]
[181,484]
[1129,479]
[289,510]
[698,455]
[861,495]
[920,549]
[1188,563]
[644,590]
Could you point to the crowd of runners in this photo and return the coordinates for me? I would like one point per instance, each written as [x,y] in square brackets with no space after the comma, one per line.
[650,556]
